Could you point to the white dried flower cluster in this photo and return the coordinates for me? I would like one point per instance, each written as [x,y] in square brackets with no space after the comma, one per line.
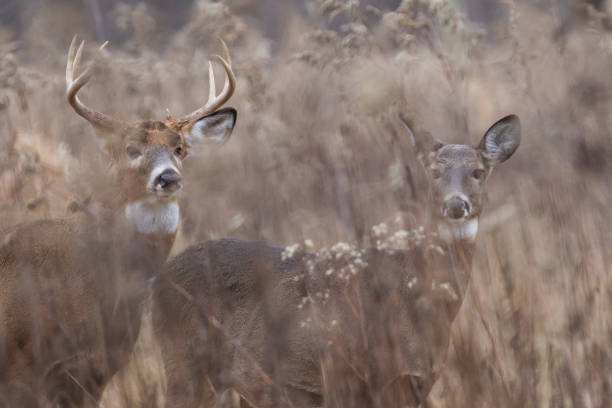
[445,287]
[304,302]
[436,248]
[342,260]
[380,230]
[290,251]
[323,296]
[401,239]
[306,323]
[340,249]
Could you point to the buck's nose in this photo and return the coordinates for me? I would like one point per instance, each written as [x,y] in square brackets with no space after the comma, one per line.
[456,208]
[169,181]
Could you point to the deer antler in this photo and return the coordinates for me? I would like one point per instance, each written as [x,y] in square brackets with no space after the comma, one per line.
[214,101]
[74,85]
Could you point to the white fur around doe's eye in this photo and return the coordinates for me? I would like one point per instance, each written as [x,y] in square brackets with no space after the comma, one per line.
[153,215]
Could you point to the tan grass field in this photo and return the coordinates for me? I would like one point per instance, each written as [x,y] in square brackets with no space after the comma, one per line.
[318,154]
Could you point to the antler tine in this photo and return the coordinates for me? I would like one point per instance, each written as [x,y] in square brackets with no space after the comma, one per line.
[215,101]
[74,85]
[212,91]
[226,53]
[230,81]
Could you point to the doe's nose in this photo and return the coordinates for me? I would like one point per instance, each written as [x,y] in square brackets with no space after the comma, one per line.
[169,180]
[456,208]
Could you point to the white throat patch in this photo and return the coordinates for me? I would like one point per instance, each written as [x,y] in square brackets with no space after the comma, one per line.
[153,215]
[465,231]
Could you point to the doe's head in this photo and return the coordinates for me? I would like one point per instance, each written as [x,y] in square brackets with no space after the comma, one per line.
[458,173]
[148,155]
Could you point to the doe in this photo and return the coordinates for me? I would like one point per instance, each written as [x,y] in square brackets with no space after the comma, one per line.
[235,314]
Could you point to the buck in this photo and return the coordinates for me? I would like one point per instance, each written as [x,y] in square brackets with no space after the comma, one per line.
[72,290]
[239,315]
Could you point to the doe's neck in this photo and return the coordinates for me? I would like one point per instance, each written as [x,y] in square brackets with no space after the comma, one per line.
[459,238]
[454,264]
[463,232]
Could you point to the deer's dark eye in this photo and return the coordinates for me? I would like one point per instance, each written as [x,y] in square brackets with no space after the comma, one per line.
[436,173]
[179,151]
[133,152]
[478,174]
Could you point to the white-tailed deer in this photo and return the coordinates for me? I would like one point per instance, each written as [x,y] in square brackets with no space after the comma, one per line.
[71,290]
[362,329]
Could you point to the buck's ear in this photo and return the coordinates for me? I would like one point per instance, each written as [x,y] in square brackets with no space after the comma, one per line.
[215,128]
[501,140]
[422,141]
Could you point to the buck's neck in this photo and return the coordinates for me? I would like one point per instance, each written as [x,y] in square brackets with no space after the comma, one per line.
[147,226]
[154,220]
[142,234]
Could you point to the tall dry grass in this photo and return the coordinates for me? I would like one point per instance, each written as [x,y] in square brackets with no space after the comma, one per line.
[317,154]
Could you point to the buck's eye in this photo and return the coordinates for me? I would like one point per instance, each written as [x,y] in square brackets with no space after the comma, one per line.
[478,174]
[179,151]
[133,152]
[436,173]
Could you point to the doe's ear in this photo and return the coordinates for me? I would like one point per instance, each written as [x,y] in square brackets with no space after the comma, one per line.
[501,140]
[215,128]
[422,141]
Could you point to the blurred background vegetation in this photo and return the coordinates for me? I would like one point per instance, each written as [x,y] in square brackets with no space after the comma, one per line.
[318,153]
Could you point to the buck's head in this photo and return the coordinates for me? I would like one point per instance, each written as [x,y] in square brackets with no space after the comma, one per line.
[458,173]
[147,156]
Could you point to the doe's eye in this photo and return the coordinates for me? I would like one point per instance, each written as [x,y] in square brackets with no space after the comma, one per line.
[133,152]
[178,151]
[436,173]
[478,174]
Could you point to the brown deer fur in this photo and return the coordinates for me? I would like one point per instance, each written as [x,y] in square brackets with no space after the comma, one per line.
[72,290]
[230,314]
